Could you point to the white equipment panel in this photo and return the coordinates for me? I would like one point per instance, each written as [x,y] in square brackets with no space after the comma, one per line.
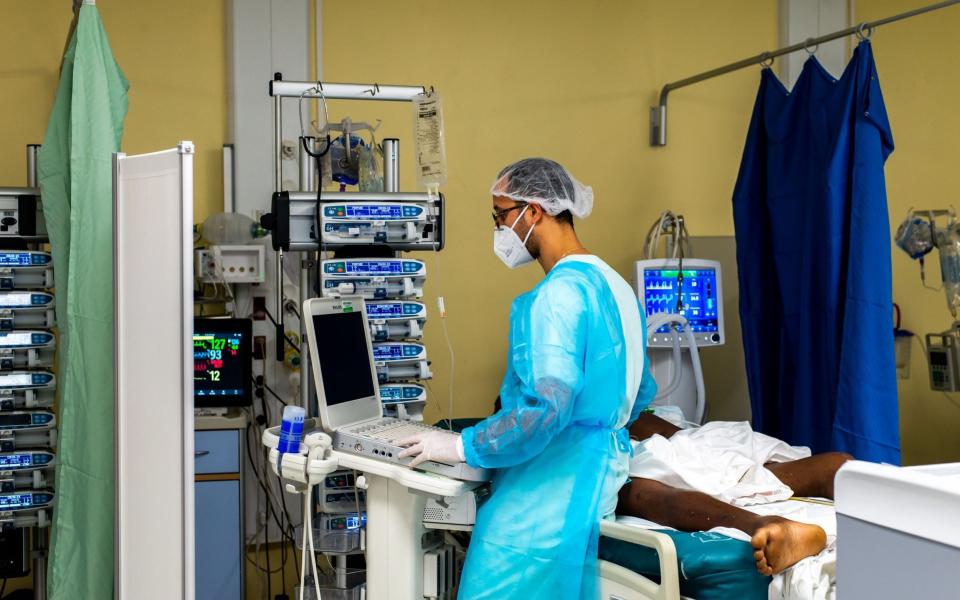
[153,354]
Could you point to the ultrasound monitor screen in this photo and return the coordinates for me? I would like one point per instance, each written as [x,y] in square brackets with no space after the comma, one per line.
[343,357]
[698,296]
[222,358]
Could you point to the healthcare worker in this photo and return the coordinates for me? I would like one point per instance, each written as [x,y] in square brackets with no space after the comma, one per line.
[557,445]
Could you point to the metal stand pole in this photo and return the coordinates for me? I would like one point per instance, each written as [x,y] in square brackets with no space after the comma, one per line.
[391,165]
[39,535]
[33,154]
[307,166]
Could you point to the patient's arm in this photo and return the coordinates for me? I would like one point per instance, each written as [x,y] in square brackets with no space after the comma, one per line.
[648,424]
[778,543]
[811,476]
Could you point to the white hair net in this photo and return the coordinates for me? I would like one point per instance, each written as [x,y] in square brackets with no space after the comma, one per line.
[544,182]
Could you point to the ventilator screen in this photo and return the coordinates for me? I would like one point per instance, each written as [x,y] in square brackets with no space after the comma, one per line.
[344,357]
[698,296]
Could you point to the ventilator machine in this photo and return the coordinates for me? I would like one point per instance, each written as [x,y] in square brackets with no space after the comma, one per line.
[683,303]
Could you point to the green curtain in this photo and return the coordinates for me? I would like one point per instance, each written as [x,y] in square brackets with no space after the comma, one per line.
[76,183]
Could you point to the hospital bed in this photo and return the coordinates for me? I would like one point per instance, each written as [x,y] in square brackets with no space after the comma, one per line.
[617,581]
[639,559]
[641,564]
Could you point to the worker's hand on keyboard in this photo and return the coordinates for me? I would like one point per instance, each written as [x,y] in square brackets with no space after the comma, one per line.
[439,446]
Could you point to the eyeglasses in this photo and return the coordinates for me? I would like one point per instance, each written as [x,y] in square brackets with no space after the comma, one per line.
[499,214]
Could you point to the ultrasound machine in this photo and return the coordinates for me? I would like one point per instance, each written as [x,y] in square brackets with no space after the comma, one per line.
[348,396]
[404,556]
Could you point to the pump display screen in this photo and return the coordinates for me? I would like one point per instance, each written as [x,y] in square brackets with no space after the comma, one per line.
[698,296]
[394,309]
[222,358]
[16,461]
[372,268]
[343,356]
[23,500]
[396,351]
[365,267]
[384,309]
[23,259]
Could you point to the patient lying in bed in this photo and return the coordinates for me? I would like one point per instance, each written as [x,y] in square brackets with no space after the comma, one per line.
[778,542]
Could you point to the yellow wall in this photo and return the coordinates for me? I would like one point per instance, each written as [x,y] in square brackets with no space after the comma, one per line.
[916,61]
[173,54]
[569,80]
[573,81]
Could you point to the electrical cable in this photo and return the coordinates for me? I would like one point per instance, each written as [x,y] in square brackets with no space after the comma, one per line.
[283,499]
[356,500]
[280,521]
[285,336]
[266,537]
[272,393]
[258,476]
[286,532]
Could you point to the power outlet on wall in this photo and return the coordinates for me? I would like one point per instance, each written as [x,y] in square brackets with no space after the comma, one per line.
[259,308]
[259,347]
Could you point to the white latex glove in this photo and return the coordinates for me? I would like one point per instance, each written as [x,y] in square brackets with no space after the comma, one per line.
[439,446]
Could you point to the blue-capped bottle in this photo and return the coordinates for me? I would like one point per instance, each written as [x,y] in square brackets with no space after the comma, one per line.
[291,430]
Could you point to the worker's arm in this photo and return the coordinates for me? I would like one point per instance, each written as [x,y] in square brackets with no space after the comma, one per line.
[546,375]
[648,385]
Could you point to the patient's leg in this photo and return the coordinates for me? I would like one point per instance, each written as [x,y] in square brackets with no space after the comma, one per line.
[811,476]
[778,542]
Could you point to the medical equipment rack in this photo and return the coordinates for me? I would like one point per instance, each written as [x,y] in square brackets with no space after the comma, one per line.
[295,226]
[28,435]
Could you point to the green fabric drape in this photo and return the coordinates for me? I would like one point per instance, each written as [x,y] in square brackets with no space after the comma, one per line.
[76,184]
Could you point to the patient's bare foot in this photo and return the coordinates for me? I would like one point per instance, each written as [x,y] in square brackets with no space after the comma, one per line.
[780,543]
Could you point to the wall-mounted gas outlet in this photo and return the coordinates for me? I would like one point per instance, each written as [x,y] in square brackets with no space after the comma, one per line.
[230,264]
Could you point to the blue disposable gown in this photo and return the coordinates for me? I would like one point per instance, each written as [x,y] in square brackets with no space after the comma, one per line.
[813,250]
[558,444]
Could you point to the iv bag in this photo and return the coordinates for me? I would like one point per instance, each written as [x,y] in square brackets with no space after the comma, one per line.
[371,165]
[428,135]
[915,236]
[345,165]
[230,229]
[950,269]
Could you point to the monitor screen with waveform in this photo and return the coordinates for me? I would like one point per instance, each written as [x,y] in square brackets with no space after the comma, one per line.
[222,362]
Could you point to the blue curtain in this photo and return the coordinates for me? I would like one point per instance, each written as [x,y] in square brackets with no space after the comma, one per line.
[813,251]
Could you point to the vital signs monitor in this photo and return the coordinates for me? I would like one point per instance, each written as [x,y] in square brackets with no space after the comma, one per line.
[222,362]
